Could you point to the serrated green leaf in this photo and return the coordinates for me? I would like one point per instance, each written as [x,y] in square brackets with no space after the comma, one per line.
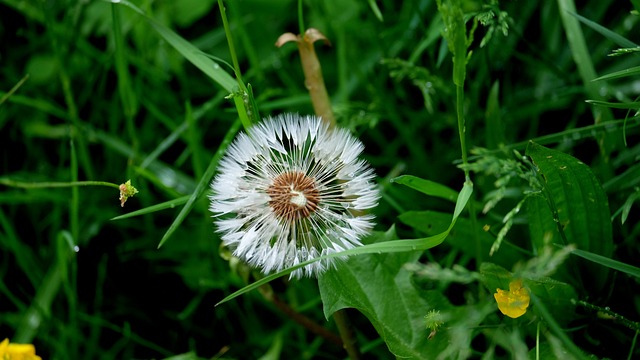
[578,204]
[427,187]
[380,287]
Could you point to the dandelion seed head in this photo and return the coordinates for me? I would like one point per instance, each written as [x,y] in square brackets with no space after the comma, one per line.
[292,189]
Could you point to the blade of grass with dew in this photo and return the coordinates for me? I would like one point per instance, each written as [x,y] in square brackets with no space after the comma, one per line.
[616,38]
[157,207]
[427,187]
[589,131]
[204,181]
[190,52]
[582,58]
[379,248]
[632,71]
[615,105]
[608,262]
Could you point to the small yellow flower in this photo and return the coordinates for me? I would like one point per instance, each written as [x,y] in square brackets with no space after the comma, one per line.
[17,351]
[513,303]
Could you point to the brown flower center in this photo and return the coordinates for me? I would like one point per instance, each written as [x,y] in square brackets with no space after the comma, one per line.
[293,196]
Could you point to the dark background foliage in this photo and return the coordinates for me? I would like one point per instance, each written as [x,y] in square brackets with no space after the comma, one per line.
[390,83]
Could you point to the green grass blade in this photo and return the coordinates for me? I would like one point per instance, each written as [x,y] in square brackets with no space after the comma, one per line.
[204,182]
[608,262]
[427,187]
[581,56]
[632,71]
[190,52]
[616,38]
[379,248]
[555,327]
[629,105]
[151,209]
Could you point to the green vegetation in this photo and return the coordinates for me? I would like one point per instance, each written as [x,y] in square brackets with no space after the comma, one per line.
[504,136]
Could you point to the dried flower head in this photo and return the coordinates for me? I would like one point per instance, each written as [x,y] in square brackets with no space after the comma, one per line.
[290,190]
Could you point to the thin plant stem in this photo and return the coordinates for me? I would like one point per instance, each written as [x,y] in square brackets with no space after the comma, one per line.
[244,99]
[13,89]
[47,184]
[232,49]
[304,321]
[75,195]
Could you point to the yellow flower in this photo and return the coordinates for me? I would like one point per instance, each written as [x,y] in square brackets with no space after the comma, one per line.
[17,351]
[513,303]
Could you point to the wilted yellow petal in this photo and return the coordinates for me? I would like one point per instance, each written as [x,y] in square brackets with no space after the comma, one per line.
[513,303]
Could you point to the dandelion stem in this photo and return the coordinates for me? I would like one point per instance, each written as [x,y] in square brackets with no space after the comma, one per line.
[346,332]
[306,322]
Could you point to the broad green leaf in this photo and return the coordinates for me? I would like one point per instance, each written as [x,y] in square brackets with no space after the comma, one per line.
[379,286]
[542,228]
[578,204]
[379,248]
[461,237]
[190,52]
[427,187]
